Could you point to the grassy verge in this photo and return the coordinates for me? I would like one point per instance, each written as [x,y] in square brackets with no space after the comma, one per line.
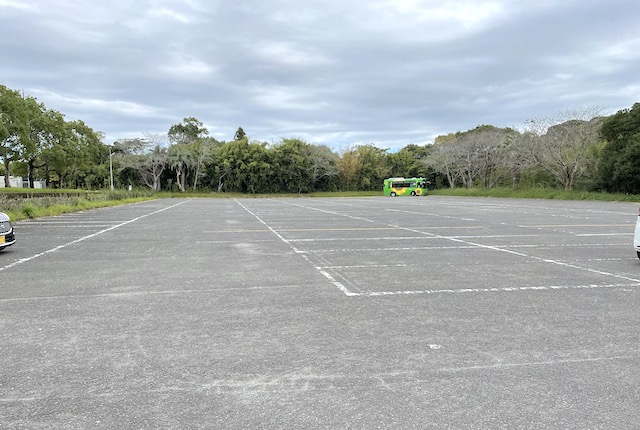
[22,204]
[536,193]
[274,195]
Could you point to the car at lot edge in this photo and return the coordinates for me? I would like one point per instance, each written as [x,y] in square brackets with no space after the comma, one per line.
[636,236]
[7,236]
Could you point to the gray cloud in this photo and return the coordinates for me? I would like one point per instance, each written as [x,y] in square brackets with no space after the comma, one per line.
[335,72]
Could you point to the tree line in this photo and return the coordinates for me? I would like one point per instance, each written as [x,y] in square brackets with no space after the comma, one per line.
[574,149]
[38,143]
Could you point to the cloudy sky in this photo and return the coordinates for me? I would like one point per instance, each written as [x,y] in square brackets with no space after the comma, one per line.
[335,72]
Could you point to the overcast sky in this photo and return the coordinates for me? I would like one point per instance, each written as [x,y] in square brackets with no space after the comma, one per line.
[335,72]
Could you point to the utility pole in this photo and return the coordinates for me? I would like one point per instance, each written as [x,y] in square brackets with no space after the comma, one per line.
[111,168]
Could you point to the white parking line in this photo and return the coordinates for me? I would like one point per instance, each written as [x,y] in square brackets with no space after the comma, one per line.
[364,266]
[431,215]
[421,237]
[57,248]
[437,248]
[327,275]
[493,290]
[478,245]
[143,292]
[58,222]
[604,234]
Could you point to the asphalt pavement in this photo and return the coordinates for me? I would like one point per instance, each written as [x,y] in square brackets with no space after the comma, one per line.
[330,313]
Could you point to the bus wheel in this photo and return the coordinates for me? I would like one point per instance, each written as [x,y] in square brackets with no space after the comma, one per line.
[392,194]
[413,193]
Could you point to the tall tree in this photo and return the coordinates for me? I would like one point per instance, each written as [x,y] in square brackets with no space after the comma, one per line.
[445,158]
[474,157]
[490,144]
[45,128]
[409,161]
[187,131]
[619,169]
[240,134]
[124,154]
[323,164]
[373,167]
[75,155]
[184,153]
[203,150]
[13,127]
[151,166]
[291,166]
[565,142]
[349,169]
[245,167]
[180,160]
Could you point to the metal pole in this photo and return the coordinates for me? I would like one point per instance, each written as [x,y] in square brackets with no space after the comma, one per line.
[111,168]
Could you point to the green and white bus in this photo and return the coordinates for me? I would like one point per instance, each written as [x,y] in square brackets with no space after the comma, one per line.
[405,187]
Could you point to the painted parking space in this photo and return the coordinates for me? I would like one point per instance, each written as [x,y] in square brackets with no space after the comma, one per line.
[323,313]
[354,255]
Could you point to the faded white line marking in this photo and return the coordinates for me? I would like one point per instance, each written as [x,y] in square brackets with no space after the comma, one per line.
[421,237]
[495,290]
[367,266]
[432,248]
[61,223]
[604,234]
[327,275]
[149,293]
[73,242]
[612,259]
[431,215]
[479,245]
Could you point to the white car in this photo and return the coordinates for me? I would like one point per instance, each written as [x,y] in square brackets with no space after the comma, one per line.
[636,236]
[7,237]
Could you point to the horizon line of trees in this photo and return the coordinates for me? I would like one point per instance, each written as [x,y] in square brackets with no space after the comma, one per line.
[574,149]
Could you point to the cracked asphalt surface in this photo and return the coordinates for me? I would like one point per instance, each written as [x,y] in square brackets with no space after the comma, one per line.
[299,313]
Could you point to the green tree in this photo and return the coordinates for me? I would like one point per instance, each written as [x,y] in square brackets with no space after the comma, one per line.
[373,167]
[45,128]
[349,169]
[127,156]
[240,134]
[73,157]
[13,127]
[203,150]
[180,158]
[189,130]
[151,166]
[185,153]
[245,167]
[290,166]
[409,162]
[619,169]
[68,157]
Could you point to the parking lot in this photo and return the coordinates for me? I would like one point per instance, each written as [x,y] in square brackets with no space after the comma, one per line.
[350,313]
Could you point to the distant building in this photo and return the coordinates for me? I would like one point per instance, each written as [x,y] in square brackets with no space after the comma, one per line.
[18,182]
[14,182]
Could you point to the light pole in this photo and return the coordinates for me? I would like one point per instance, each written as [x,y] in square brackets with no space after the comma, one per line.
[111,168]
